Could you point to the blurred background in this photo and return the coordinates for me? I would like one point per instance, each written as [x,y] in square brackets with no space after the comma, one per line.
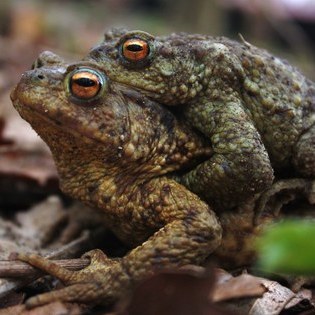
[287,27]
[71,27]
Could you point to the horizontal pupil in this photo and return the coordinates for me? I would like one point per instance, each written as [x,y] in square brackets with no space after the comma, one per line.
[135,47]
[85,82]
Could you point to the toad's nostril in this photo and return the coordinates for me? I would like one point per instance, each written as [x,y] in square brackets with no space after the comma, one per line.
[37,64]
[40,76]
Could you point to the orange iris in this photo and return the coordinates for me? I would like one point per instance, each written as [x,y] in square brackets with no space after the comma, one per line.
[85,84]
[135,49]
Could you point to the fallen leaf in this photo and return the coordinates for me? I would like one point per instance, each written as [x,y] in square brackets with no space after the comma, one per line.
[242,286]
[34,165]
[174,292]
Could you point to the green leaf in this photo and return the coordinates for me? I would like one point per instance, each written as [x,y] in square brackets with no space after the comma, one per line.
[288,247]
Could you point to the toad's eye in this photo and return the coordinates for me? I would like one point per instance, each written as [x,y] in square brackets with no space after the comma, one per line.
[85,84]
[135,49]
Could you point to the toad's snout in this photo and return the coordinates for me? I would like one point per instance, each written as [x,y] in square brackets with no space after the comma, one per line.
[48,70]
[37,81]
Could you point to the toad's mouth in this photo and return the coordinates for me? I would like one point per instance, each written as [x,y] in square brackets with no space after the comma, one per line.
[38,118]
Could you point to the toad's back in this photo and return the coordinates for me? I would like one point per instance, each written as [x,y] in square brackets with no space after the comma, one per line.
[281,101]
[256,111]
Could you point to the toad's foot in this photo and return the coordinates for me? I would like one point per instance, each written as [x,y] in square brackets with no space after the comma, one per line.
[102,282]
[282,192]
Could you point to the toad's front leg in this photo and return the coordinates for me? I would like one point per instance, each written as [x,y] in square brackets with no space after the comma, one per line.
[187,231]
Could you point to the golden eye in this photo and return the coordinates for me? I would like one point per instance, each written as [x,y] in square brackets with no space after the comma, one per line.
[85,84]
[135,49]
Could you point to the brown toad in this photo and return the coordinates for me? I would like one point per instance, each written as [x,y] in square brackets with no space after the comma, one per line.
[257,110]
[113,149]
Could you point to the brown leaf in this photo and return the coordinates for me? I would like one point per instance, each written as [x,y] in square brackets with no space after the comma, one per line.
[176,292]
[38,166]
[242,286]
[25,177]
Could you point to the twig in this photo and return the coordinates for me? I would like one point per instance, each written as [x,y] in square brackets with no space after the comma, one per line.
[18,269]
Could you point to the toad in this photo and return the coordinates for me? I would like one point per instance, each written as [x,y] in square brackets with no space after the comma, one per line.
[114,149]
[257,110]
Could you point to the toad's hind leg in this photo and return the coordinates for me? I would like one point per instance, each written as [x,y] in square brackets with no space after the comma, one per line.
[304,154]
